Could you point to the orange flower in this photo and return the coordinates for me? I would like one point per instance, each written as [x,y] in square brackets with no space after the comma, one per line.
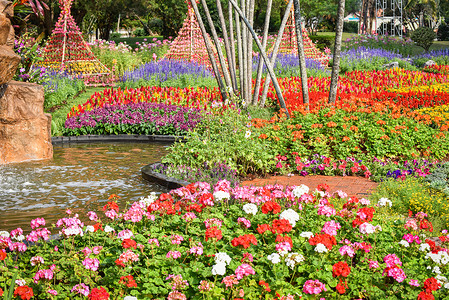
[385,137]
[331,124]
[275,127]
[381,122]
[317,125]
[354,128]
[345,138]
[263,136]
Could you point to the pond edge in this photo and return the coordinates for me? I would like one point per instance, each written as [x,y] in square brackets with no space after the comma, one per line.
[165,181]
[130,138]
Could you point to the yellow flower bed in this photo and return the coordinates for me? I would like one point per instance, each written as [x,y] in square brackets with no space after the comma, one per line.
[438,87]
[437,112]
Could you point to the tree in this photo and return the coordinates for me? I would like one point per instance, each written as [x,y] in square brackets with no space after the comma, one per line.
[314,12]
[337,52]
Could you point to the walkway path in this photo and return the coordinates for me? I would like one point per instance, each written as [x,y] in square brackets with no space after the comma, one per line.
[352,185]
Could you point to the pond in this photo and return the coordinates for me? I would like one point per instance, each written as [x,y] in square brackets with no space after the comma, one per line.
[80,177]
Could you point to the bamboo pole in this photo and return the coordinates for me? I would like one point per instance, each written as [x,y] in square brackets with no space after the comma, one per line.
[227,46]
[239,51]
[250,51]
[264,45]
[301,55]
[209,51]
[231,36]
[275,51]
[265,58]
[244,55]
[217,44]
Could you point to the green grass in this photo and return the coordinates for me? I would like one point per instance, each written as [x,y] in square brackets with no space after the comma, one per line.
[59,116]
[415,50]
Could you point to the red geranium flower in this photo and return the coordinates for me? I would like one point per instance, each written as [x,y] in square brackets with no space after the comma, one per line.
[424,295]
[128,281]
[120,263]
[128,243]
[265,285]
[24,291]
[281,226]
[3,254]
[271,206]
[425,224]
[287,239]
[341,269]
[213,233]
[98,294]
[245,241]
[98,226]
[341,287]
[1,292]
[431,284]
[262,228]
[323,238]
[111,205]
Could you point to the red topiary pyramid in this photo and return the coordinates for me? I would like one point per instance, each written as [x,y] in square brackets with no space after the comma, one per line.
[289,44]
[189,44]
[66,51]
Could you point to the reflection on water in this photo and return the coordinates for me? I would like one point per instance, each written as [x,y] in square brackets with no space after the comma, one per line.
[80,177]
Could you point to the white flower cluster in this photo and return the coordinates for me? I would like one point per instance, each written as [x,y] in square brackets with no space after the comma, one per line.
[274,258]
[250,208]
[221,195]
[404,243]
[108,229]
[221,261]
[424,247]
[320,248]
[293,259]
[439,258]
[149,199]
[367,228]
[4,234]
[298,191]
[247,134]
[443,281]
[306,234]
[89,228]
[130,298]
[384,202]
[290,215]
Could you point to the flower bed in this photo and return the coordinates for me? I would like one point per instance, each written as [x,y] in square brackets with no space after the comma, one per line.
[135,118]
[168,73]
[231,242]
[188,97]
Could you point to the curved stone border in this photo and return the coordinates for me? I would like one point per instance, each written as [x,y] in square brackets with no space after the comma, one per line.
[167,182]
[57,140]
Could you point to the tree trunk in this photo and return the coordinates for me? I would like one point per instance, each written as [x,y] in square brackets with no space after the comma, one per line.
[301,55]
[264,45]
[337,52]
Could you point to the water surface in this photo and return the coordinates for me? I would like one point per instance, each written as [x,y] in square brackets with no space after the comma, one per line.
[80,177]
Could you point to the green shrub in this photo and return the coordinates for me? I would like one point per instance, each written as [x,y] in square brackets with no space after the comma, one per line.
[351,27]
[139,32]
[323,41]
[443,32]
[423,37]
[439,179]
[416,195]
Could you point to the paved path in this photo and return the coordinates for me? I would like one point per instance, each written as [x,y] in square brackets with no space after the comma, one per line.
[352,185]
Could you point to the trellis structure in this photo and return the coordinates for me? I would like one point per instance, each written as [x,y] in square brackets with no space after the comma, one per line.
[189,44]
[289,45]
[67,51]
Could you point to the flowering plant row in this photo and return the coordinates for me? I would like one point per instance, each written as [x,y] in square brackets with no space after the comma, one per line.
[135,118]
[241,242]
[340,132]
[200,98]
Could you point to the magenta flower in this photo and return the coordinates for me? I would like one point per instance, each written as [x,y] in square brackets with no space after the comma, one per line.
[313,287]
[244,270]
[91,263]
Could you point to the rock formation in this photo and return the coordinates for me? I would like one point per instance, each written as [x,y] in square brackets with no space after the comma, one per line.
[24,128]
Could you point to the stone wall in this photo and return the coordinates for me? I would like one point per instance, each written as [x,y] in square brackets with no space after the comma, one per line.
[24,127]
